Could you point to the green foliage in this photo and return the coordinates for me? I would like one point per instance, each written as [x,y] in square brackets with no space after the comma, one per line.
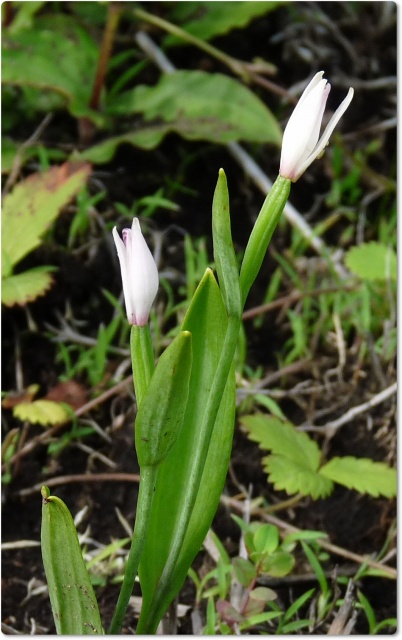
[43,412]
[266,555]
[161,411]
[196,105]
[28,212]
[295,462]
[74,604]
[62,58]
[207,20]
[362,474]
[295,458]
[372,261]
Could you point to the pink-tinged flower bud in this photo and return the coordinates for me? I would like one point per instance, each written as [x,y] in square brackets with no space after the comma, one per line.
[138,273]
[300,145]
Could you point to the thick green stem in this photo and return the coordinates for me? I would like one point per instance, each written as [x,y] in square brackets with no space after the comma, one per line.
[147,487]
[143,360]
[143,363]
[262,232]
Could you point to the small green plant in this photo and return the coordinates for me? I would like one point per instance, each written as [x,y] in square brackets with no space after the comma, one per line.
[295,462]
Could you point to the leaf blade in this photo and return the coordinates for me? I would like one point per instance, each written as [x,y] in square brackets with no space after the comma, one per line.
[362,474]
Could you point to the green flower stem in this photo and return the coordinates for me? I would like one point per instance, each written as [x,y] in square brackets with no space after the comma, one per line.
[194,479]
[143,360]
[148,477]
[143,363]
[262,232]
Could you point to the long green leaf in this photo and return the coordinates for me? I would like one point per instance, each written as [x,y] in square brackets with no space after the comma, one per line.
[74,604]
[207,322]
[161,411]
[202,105]
[217,18]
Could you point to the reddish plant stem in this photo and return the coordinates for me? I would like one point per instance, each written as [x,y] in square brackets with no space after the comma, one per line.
[86,126]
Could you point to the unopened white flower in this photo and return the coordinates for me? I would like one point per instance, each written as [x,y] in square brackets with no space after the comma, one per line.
[300,145]
[139,273]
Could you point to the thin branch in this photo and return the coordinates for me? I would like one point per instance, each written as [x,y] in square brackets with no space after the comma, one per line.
[80,477]
[332,427]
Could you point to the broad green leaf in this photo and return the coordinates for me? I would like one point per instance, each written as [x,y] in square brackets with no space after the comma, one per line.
[26,286]
[161,411]
[280,437]
[266,539]
[244,570]
[278,564]
[217,18]
[293,477]
[206,320]
[55,55]
[372,261]
[147,137]
[32,206]
[362,474]
[263,593]
[74,605]
[202,106]
[42,412]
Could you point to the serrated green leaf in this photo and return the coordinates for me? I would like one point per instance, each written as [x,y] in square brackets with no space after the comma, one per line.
[42,412]
[33,205]
[25,287]
[372,261]
[362,474]
[203,106]
[55,55]
[217,18]
[280,437]
[292,477]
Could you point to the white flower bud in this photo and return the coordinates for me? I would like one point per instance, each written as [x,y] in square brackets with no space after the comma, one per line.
[300,145]
[139,273]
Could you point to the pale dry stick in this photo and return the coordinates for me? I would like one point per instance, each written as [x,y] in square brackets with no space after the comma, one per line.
[81,477]
[295,296]
[249,165]
[345,618]
[331,427]
[20,153]
[328,546]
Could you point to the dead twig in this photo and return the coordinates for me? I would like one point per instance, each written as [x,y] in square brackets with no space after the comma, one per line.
[81,477]
[331,428]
